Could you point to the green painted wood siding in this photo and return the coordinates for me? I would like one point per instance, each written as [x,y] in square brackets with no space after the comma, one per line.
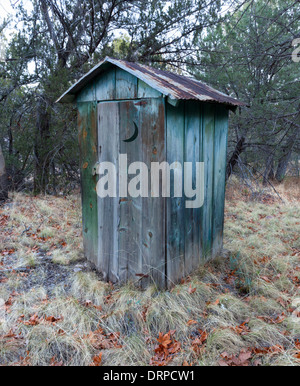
[175,215]
[116,84]
[193,153]
[87,125]
[220,151]
[208,129]
[196,132]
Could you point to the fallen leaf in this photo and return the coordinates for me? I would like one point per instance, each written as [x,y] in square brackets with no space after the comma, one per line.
[190,322]
[97,360]
[164,340]
[265,278]
[192,290]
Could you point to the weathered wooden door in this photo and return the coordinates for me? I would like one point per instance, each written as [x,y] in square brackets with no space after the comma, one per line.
[132,229]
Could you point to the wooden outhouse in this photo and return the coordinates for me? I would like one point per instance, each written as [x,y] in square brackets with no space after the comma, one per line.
[151,116]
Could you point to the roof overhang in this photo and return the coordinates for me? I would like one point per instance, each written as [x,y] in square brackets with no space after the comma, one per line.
[174,87]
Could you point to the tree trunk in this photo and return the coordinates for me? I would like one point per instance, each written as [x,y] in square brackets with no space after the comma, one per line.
[271,175]
[269,170]
[3,178]
[235,156]
[297,166]
[282,165]
[42,148]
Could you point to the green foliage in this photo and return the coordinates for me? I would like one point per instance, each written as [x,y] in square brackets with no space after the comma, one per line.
[57,42]
[245,51]
[249,56]
[121,47]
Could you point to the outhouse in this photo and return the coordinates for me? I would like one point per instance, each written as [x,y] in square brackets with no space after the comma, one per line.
[134,113]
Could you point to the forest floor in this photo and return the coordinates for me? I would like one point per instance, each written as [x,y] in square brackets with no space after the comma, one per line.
[241,309]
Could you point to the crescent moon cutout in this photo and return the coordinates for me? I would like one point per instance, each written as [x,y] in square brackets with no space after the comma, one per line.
[136,133]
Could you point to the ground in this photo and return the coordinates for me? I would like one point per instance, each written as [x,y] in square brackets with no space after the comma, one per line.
[241,309]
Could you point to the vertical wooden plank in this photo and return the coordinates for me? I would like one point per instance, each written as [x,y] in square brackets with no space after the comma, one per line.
[201,157]
[105,85]
[220,148]
[87,94]
[145,91]
[192,215]
[130,207]
[175,223]
[152,123]
[208,158]
[87,126]
[108,207]
[126,85]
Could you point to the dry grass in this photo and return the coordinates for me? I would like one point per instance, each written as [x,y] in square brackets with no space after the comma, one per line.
[52,313]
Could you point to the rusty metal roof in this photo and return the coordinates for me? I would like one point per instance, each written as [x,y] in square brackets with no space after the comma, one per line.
[174,86]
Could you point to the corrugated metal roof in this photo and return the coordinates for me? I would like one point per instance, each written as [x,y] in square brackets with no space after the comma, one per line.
[172,85]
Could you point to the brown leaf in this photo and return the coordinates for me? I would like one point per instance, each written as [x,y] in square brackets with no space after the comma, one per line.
[244,356]
[191,290]
[232,360]
[272,350]
[164,340]
[52,319]
[190,322]
[97,360]
[33,321]
[54,363]
[257,362]
[265,278]
[223,363]
[164,352]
